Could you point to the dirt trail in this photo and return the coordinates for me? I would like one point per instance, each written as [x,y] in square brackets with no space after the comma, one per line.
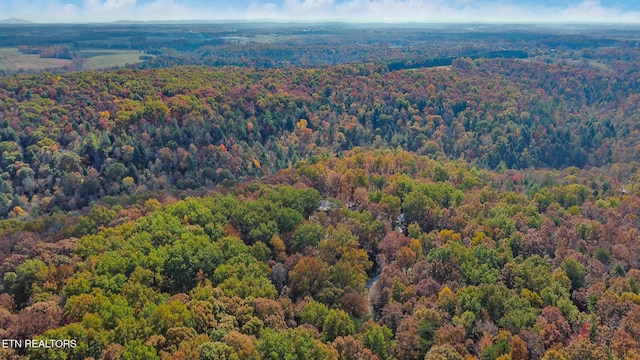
[370,284]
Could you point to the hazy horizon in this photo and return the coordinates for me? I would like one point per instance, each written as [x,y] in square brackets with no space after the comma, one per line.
[390,11]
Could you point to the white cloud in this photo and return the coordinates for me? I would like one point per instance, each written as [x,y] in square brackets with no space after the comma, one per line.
[119,4]
[593,10]
[319,10]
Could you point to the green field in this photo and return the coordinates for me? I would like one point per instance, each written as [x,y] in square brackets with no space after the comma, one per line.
[99,59]
[12,59]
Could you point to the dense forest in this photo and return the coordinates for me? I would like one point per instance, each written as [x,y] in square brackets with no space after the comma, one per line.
[476,205]
[68,140]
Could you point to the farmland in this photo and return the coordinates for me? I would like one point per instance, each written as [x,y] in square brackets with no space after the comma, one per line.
[13,60]
[100,59]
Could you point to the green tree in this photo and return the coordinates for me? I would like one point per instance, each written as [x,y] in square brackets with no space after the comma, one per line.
[185,258]
[519,315]
[337,323]
[288,219]
[135,350]
[26,281]
[534,274]
[420,209]
[69,183]
[89,188]
[101,215]
[575,271]
[314,313]
[214,351]
[295,344]
[115,171]
[305,201]
[244,276]
[171,314]
[379,339]
[603,255]
[307,235]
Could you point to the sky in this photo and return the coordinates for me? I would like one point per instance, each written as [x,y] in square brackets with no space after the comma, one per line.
[432,11]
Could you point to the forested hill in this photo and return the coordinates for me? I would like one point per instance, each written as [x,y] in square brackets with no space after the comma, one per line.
[484,265]
[69,139]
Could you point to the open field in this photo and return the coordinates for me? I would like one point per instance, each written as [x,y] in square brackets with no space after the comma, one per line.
[12,59]
[273,38]
[98,59]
